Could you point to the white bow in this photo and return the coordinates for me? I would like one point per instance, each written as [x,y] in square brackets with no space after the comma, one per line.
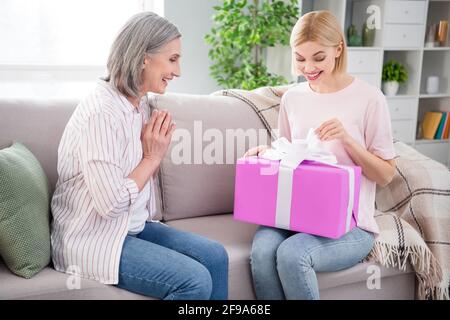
[291,156]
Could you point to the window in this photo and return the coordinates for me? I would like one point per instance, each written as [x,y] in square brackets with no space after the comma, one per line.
[63,32]
[59,48]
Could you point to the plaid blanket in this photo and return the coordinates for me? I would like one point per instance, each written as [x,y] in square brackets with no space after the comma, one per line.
[412,212]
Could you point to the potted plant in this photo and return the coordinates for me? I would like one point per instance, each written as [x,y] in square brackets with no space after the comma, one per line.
[241,33]
[394,73]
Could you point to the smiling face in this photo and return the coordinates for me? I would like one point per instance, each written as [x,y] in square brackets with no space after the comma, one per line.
[161,67]
[315,62]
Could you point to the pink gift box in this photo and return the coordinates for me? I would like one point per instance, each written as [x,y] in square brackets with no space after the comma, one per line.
[319,200]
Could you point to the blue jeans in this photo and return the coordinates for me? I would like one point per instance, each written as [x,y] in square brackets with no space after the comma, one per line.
[284,263]
[171,264]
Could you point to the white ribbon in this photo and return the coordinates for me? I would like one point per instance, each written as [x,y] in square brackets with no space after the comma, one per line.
[291,156]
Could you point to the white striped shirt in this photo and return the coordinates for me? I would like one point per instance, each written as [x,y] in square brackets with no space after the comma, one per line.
[93,202]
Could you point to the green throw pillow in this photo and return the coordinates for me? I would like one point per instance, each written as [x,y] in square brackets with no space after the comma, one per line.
[24,212]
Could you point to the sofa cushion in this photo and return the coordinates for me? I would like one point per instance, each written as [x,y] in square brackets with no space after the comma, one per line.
[50,284]
[350,283]
[24,212]
[236,237]
[194,179]
[39,124]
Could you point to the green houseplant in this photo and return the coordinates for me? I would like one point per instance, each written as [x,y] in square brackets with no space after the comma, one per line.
[394,73]
[241,33]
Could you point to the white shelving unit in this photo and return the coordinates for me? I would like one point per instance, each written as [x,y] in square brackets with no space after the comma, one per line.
[401,37]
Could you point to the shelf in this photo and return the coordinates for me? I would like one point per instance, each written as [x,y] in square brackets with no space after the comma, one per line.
[402,48]
[357,15]
[429,141]
[436,48]
[436,63]
[437,11]
[402,96]
[364,48]
[411,60]
[437,95]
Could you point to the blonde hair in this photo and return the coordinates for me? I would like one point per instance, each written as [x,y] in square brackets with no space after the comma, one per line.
[321,27]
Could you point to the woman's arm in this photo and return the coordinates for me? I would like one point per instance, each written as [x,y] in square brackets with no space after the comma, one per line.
[101,154]
[101,151]
[144,171]
[374,168]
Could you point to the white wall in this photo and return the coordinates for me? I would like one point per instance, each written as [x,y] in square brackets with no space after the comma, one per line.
[194,20]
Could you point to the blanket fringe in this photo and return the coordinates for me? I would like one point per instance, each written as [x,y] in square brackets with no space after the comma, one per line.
[431,282]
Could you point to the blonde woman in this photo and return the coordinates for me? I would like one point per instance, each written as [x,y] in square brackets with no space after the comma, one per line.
[104,200]
[351,118]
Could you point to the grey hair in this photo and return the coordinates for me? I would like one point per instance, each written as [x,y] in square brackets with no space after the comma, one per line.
[144,33]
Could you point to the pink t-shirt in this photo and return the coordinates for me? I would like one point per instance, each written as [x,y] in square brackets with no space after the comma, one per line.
[362,110]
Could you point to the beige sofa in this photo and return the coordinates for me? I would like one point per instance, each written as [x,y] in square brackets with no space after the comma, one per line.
[194,197]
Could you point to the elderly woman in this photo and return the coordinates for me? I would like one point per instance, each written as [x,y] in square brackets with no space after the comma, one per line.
[107,158]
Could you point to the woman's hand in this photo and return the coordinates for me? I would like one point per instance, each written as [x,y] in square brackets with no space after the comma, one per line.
[374,168]
[156,135]
[331,130]
[256,151]
[155,138]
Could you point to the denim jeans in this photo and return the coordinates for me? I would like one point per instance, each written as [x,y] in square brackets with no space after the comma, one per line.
[171,264]
[284,263]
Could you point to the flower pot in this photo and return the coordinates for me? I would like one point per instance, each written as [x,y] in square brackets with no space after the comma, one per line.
[390,88]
